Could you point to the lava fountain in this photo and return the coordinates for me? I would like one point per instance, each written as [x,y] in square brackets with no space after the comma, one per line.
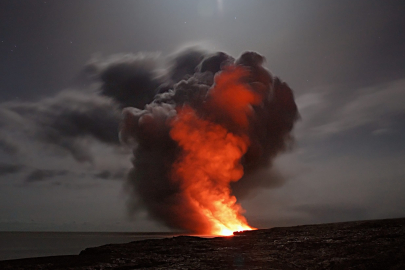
[211,154]
[202,137]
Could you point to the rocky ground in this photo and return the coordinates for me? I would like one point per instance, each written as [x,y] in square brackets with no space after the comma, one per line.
[377,244]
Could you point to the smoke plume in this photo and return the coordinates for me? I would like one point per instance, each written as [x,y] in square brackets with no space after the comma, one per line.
[212,128]
[204,129]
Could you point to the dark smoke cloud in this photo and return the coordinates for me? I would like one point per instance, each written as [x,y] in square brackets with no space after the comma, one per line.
[273,122]
[155,152]
[183,64]
[131,80]
[150,88]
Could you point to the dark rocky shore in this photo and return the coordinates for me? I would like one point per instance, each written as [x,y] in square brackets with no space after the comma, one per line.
[377,244]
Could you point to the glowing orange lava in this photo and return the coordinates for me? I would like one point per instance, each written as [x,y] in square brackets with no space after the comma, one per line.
[211,154]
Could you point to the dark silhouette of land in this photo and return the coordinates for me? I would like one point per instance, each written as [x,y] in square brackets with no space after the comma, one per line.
[376,244]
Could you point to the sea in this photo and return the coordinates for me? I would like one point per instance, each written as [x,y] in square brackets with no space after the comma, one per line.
[18,245]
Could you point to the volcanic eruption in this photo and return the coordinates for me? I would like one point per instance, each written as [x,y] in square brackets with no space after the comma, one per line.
[214,122]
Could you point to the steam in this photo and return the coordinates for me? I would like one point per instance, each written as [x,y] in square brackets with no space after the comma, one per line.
[266,120]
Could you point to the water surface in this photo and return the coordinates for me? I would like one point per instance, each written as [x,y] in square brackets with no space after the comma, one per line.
[17,245]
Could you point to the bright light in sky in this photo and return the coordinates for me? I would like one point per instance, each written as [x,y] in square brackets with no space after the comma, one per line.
[220,5]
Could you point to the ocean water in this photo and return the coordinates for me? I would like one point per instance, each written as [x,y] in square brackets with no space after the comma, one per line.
[17,245]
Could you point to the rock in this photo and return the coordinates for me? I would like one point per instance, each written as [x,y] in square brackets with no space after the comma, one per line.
[377,244]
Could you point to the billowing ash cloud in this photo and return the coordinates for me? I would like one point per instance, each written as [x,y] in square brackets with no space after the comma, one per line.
[269,120]
[130,79]
[239,96]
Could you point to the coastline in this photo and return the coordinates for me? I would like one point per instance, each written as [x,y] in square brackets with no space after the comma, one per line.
[373,244]
[25,244]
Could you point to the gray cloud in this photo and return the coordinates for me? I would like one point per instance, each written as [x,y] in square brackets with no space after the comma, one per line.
[304,213]
[376,106]
[76,122]
[111,175]
[376,110]
[39,175]
[332,213]
[8,146]
[6,168]
[64,119]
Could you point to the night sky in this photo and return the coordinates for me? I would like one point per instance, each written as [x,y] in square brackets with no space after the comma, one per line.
[345,61]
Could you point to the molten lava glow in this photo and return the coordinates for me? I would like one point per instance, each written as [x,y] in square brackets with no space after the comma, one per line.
[209,163]
[233,96]
[211,154]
